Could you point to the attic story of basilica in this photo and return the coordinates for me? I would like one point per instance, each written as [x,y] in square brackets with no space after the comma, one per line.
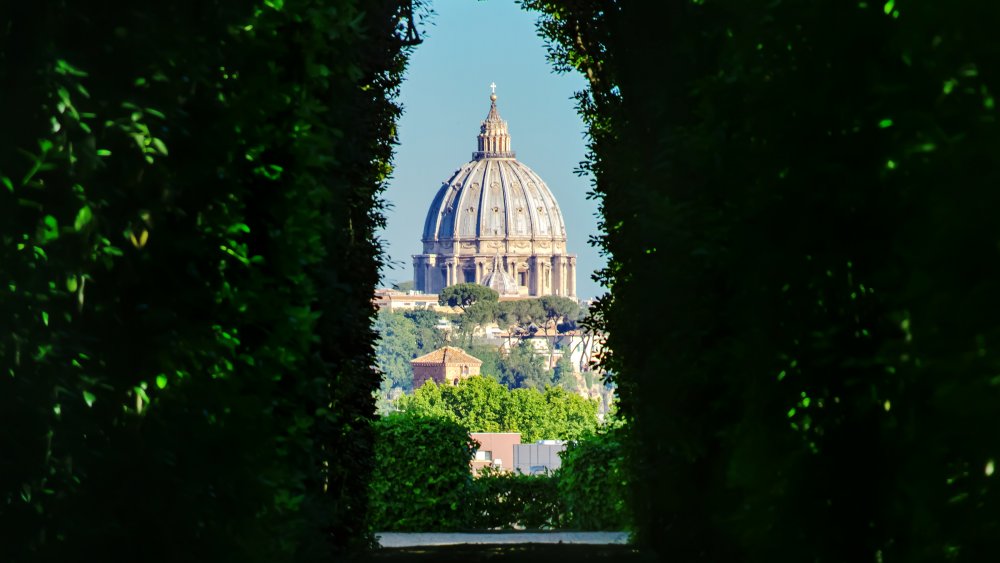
[495,222]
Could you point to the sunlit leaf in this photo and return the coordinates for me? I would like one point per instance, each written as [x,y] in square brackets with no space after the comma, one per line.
[159,146]
[49,229]
[83,217]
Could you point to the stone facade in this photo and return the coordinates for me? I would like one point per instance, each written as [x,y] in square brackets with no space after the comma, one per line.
[445,366]
[495,209]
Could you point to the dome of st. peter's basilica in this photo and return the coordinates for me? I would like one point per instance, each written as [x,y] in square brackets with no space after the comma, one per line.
[494,213]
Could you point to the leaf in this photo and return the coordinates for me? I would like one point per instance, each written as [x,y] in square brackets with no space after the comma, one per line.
[140,242]
[89,398]
[49,229]
[83,218]
[161,381]
[64,68]
[159,146]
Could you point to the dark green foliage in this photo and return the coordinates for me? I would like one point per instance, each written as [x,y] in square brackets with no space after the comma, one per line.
[520,367]
[564,376]
[188,199]
[483,405]
[479,313]
[402,337]
[426,323]
[397,345]
[504,500]
[491,357]
[523,367]
[465,294]
[422,477]
[809,190]
[559,309]
[521,313]
[593,482]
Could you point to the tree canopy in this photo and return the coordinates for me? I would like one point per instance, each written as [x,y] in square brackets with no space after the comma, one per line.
[465,294]
[484,405]
[402,336]
[558,308]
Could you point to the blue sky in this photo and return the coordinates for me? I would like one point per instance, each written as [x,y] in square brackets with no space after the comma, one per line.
[467,45]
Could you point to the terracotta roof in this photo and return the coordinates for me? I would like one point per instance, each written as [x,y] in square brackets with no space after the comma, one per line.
[446,355]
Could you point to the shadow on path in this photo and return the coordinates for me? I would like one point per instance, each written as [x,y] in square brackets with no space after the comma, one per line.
[522,553]
[399,539]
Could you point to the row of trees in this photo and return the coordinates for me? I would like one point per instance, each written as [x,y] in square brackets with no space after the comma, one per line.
[481,305]
[523,366]
[809,189]
[404,335]
[480,404]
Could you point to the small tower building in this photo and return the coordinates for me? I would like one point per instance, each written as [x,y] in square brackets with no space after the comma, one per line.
[445,366]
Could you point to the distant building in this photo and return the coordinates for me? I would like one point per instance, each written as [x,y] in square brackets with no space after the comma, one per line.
[496,449]
[395,300]
[543,456]
[494,222]
[445,366]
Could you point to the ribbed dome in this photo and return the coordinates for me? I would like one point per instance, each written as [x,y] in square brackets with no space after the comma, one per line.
[495,210]
[494,196]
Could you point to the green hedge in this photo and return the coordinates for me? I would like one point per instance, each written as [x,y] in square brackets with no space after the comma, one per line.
[189,194]
[593,483]
[421,478]
[816,218]
[422,482]
[500,499]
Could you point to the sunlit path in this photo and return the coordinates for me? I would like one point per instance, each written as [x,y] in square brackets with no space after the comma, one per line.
[398,539]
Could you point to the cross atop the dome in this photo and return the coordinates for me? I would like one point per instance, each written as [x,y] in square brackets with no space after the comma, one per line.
[493,87]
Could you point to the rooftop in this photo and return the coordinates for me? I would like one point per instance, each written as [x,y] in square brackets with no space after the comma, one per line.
[449,355]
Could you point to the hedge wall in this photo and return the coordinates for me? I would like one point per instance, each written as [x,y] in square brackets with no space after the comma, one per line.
[421,479]
[807,190]
[188,200]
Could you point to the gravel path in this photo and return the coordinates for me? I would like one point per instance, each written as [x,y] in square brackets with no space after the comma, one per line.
[398,539]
